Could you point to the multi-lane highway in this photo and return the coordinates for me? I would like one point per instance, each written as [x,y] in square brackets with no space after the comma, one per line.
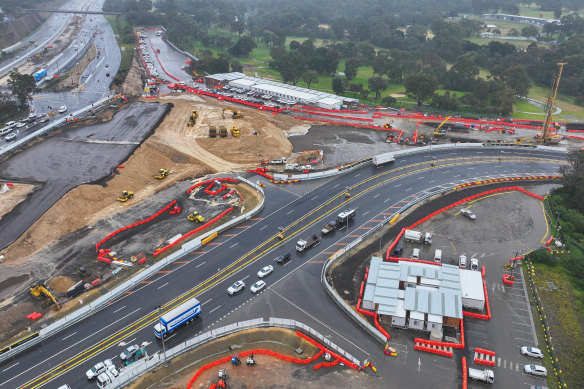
[244,250]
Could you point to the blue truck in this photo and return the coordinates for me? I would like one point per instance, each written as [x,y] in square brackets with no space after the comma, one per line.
[40,75]
[176,317]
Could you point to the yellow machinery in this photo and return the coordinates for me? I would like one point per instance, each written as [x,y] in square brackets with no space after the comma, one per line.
[234,131]
[223,131]
[236,114]
[387,125]
[546,137]
[161,174]
[40,290]
[436,130]
[197,74]
[212,131]
[126,195]
[193,119]
[195,217]
[280,233]
[522,141]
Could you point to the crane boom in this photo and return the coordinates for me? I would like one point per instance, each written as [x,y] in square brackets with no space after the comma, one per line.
[550,102]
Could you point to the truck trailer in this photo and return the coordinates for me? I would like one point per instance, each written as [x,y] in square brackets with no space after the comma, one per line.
[178,316]
[304,244]
[383,158]
[486,375]
[416,236]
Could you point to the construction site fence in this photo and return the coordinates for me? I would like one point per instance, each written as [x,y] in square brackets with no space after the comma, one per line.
[349,310]
[56,124]
[137,369]
[103,300]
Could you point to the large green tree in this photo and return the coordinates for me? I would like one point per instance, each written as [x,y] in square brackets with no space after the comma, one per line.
[243,46]
[573,179]
[351,67]
[377,84]
[292,66]
[310,76]
[421,86]
[22,87]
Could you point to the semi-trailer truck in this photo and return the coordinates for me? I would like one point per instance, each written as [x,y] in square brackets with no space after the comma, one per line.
[303,244]
[178,316]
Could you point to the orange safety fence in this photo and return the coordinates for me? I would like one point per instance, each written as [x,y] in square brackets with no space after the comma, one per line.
[227,179]
[156,54]
[464,374]
[333,110]
[433,350]
[212,221]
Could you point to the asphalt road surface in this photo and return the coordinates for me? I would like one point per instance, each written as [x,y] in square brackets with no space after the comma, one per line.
[75,157]
[302,209]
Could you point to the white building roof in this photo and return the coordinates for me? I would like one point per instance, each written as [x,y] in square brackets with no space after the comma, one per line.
[243,81]
[330,101]
[471,283]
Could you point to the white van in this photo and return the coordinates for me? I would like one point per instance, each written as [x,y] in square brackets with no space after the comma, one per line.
[438,256]
[416,254]
[5,131]
[462,262]
[10,124]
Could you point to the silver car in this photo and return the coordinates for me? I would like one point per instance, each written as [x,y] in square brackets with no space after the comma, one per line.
[536,370]
[531,352]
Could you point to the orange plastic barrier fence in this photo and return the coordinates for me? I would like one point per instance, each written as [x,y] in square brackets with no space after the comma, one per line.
[380,328]
[464,374]
[483,272]
[433,350]
[261,173]
[483,351]
[326,364]
[209,181]
[135,224]
[215,219]
[332,110]
[333,354]
[156,54]
[549,240]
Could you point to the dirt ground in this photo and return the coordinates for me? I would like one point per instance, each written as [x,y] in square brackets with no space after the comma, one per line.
[15,195]
[132,85]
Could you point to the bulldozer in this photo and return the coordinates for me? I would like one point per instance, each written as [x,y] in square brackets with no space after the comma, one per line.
[234,131]
[126,195]
[39,290]
[161,174]
[193,119]
[223,131]
[212,131]
[236,114]
[195,217]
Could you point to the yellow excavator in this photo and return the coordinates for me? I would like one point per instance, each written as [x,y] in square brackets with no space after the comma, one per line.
[193,119]
[126,195]
[223,131]
[236,114]
[437,131]
[195,217]
[212,131]
[39,290]
[234,131]
[162,173]
[388,124]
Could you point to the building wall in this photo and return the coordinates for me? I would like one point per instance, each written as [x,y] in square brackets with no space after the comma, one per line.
[416,324]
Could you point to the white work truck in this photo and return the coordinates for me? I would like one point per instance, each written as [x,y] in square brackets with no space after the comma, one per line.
[486,375]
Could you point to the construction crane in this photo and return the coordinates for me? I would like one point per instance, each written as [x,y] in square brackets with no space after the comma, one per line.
[236,114]
[546,137]
[193,119]
[39,290]
[438,133]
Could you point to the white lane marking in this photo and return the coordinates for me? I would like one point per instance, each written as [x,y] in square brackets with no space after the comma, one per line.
[289,212]
[214,309]
[365,213]
[247,276]
[266,226]
[376,196]
[201,264]
[386,200]
[357,175]
[407,190]
[162,286]
[336,185]
[119,309]
[397,186]
[68,336]
[233,245]
[73,345]
[207,301]
[10,367]
[314,198]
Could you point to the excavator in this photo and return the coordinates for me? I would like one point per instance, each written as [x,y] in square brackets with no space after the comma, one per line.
[388,125]
[126,195]
[161,174]
[223,131]
[234,131]
[212,131]
[195,217]
[236,114]
[193,119]
[39,290]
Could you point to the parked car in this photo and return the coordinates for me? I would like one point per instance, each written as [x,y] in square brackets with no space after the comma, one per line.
[468,213]
[20,124]
[129,352]
[416,253]
[259,285]
[98,369]
[536,370]
[538,387]
[531,352]
[265,271]
[10,136]
[474,264]
[236,287]
[63,109]
[462,262]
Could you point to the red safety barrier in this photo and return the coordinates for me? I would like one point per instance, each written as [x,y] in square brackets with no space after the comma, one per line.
[326,364]
[120,166]
[574,136]
[135,224]
[464,374]
[156,54]
[380,328]
[268,176]
[212,221]
[9,184]
[483,351]
[34,316]
[508,279]
[361,290]
[104,259]
[95,282]
[483,272]
[484,362]
[433,350]
[366,313]
[461,344]
[516,258]
[395,241]
[549,240]
[210,192]
[332,110]
[467,122]
[209,181]
[141,261]
[228,194]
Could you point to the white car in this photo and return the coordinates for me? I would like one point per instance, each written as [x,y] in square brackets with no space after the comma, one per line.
[98,369]
[63,109]
[265,271]
[129,352]
[537,370]
[20,124]
[531,352]
[474,264]
[236,287]
[468,213]
[10,136]
[462,262]
[259,285]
